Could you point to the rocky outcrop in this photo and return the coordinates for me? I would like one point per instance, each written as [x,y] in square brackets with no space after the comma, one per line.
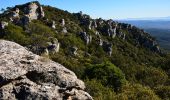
[87,38]
[3,24]
[63,22]
[53,45]
[73,50]
[32,11]
[14,17]
[26,76]
[53,25]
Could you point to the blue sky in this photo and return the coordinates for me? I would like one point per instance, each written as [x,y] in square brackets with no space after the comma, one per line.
[107,9]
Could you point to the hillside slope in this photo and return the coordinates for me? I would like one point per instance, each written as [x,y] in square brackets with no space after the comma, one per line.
[116,60]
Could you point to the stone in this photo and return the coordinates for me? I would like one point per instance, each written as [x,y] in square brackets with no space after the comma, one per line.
[64,30]
[45,53]
[73,50]
[15,13]
[26,76]
[90,25]
[3,24]
[63,22]
[53,25]
[32,11]
[53,45]
[100,42]
[87,38]
[14,17]
[114,32]
[42,12]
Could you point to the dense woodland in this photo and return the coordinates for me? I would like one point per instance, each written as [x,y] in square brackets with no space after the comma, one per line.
[131,72]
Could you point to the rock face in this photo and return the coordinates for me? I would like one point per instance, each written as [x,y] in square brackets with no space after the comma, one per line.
[26,76]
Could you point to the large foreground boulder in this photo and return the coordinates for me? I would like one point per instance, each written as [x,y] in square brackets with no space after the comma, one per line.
[26,76]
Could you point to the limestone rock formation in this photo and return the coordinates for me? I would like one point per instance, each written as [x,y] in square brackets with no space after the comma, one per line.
[87,38]
[53,25]
[73,50]
[3,24]
[63,22]
[14,17]
[26,76]
[54,46]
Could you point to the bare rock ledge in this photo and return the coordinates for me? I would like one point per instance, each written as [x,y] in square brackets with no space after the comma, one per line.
[26,76]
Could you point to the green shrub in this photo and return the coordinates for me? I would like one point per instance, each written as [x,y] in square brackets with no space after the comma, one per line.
[107,73]
[98,91]
[150,76]
[163,92]
[16,34]
[136,92]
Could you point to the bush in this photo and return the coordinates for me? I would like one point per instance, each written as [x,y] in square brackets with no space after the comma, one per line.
[107,73]
[163,92]
[98,91]
[136,92]
[151,76]
[16,34]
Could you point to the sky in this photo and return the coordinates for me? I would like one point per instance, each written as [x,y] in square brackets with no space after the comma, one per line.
[107,9]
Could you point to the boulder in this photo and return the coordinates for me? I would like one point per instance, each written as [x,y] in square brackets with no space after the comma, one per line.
[53,25]
[87,38]
[42,14]
[64,30]
[63,22]
[73,50]
[14,16]
[3,24]
[90,25]
[53,45]
[32,11]
[26,76]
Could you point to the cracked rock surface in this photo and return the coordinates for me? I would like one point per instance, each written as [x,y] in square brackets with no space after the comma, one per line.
[26,76]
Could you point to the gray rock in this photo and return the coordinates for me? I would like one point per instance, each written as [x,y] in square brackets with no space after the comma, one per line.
[64,30]
[90,25]
[54,45]
[15,13]
[42,12]
[73,50]
[26,76]
[32,11]
[53,25]
[87,38]
[3,24]
[63,22]
[114,32]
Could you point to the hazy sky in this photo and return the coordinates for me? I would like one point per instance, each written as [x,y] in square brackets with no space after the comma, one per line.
[113,9]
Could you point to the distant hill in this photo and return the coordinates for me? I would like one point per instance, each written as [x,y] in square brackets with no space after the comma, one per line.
[158,27]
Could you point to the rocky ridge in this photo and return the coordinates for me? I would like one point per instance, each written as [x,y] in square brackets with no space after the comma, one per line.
[24,75]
